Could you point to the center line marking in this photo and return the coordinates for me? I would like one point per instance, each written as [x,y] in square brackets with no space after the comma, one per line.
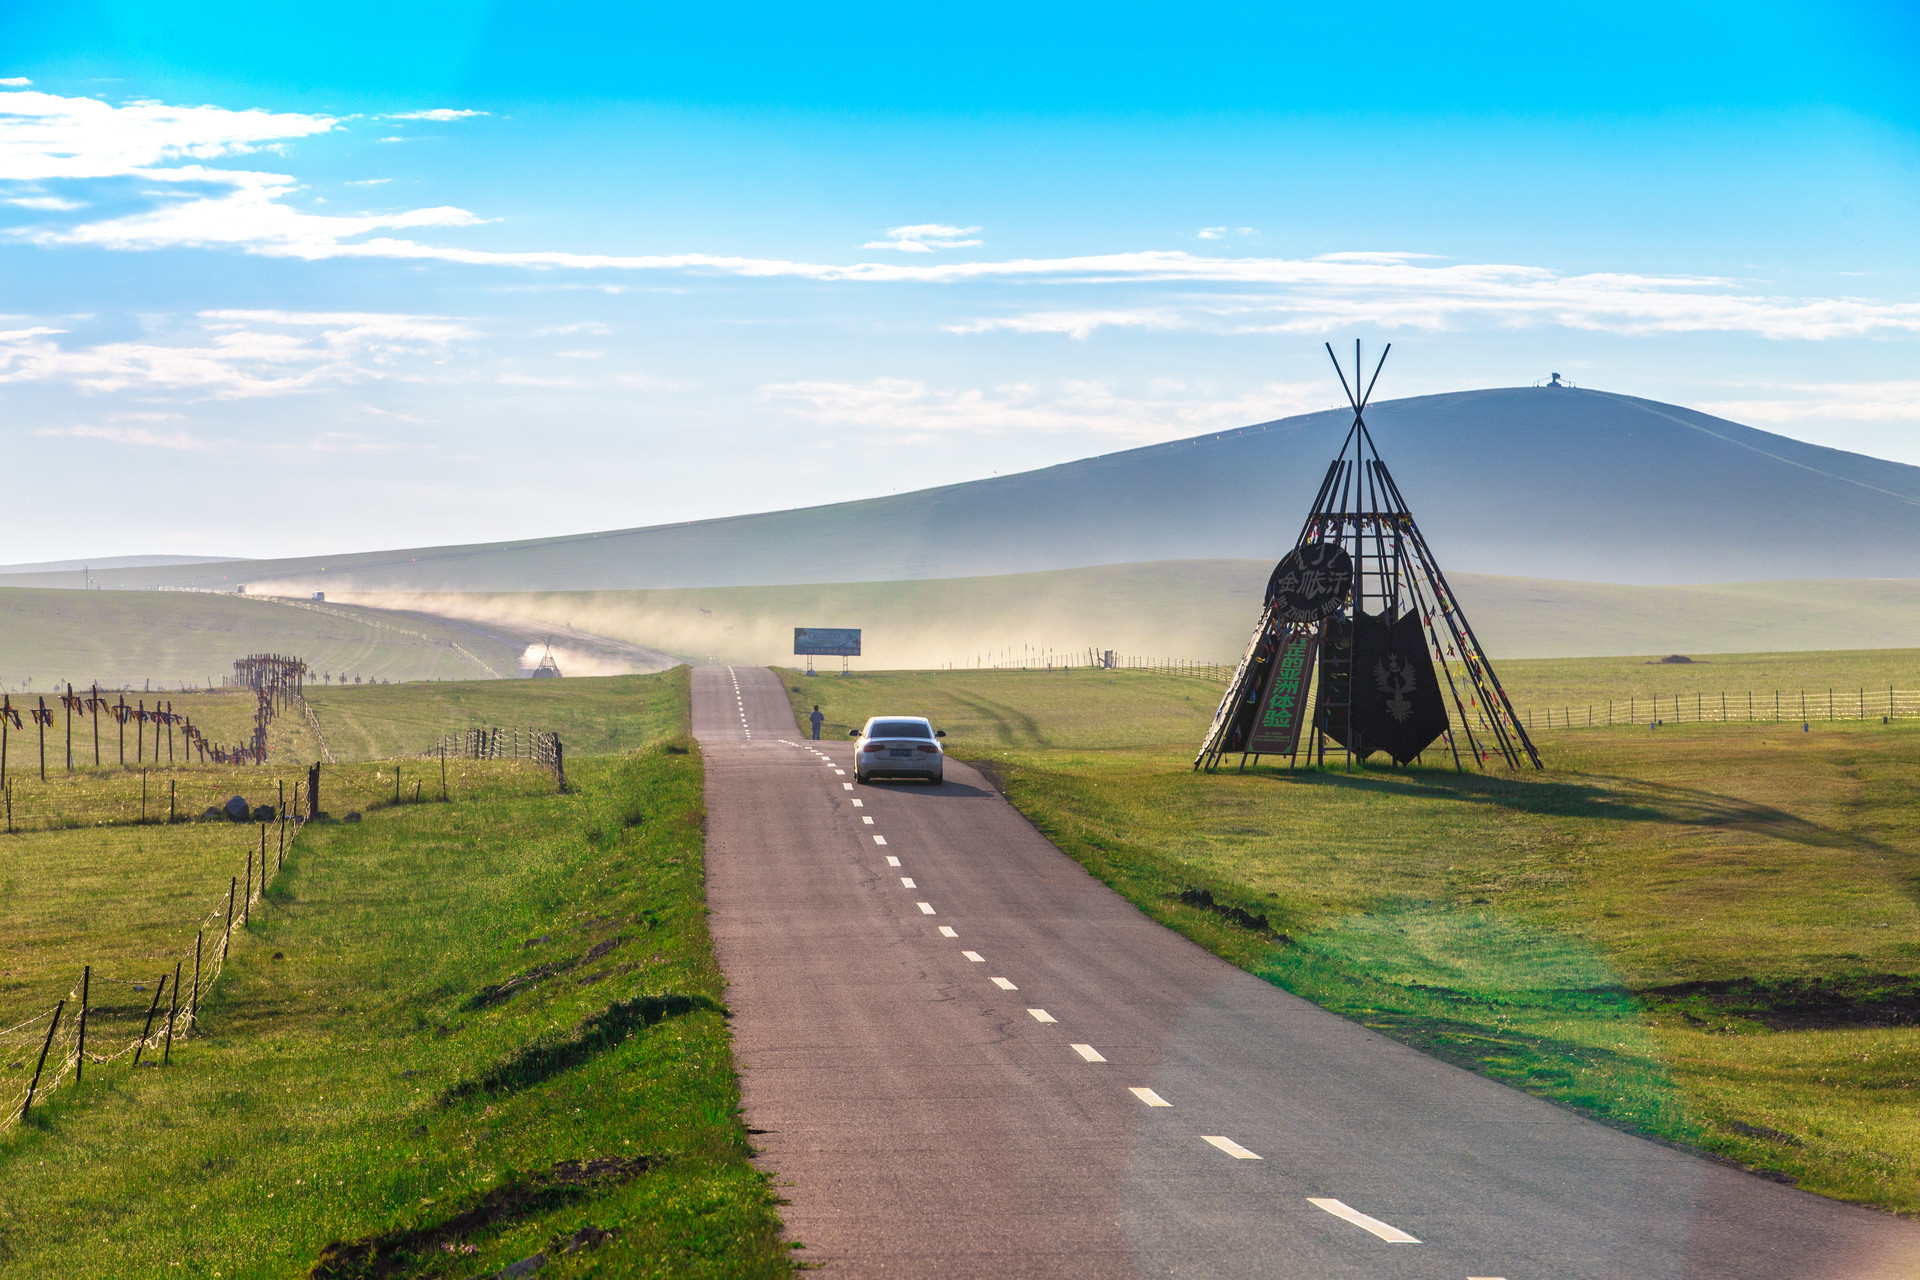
[974,956]
[842,773]
[847,785]
[1088,1052]
[859,804]
[926,908]
[906,882]
[892,861]
[1237,1151]
[946,931]
[866,819]
[1041,1015]
[1003,984]
[879,839]
[1149,1097]
[1392,1235]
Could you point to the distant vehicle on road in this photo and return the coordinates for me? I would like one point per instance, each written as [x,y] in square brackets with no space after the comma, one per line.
[898,747]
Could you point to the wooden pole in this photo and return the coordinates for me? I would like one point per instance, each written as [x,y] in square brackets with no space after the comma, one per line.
[246,900]
[148,1029]
[80,1055]
[43,1059]
[68,704]
[140,734]
[93,708]
[41,721]
[173,1012]
[226,941]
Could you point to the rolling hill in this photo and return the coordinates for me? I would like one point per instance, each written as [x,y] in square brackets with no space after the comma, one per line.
[1552,483]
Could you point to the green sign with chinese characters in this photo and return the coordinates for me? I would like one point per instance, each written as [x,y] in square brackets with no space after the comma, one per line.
[1283,707]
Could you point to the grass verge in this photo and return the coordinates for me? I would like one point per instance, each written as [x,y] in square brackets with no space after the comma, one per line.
[458,1036]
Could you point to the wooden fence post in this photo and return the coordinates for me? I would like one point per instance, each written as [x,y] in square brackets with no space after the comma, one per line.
[51,1027]
[246,899]
[148,1029]
[226,941]
[80,1055]
[313,791]
[173,1012]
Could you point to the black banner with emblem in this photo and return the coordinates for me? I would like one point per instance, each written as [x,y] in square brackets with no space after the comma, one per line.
[1283,705]
[1390,693]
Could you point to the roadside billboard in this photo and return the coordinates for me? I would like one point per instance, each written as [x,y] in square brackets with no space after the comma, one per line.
[841,642]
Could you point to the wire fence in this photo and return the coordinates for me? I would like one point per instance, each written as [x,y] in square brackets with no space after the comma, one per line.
[1775,706]
[510,743]
[93,1025]
[1041,658]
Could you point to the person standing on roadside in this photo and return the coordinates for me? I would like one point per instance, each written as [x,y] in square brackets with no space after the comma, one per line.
[817,720]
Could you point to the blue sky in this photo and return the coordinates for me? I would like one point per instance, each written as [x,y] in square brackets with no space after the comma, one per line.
[356,275]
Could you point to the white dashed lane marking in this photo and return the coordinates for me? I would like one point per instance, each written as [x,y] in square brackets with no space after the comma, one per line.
[866,819]
[892,861]
[1088,1052]
[906,882]
[946,931]
[926,908]
[1149,1097]
[859,804]
[1392,1235]
[1041,1015]
[1003,984]
[1232,1148]
[879,839]
[847,785]
[974,956]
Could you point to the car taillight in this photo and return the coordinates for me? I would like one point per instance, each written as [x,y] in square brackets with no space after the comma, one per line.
[930,750]
[875,746]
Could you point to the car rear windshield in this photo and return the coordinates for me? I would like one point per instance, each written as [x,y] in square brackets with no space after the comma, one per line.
[899,729]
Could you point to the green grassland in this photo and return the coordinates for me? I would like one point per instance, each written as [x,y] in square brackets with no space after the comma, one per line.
[592,714]
[1189,609]
[452,1036]
[1706,933]
[175,638]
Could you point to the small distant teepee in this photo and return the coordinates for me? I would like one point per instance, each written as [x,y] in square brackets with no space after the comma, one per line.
[548,668]
[1360,625]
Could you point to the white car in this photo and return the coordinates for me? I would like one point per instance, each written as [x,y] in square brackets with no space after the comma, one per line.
[898,747]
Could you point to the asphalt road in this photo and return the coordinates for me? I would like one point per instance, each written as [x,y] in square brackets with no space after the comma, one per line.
[955,1044]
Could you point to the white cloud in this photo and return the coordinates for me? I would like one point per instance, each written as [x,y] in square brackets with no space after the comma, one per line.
[1212,233]
[236,354]
[437,113]
[130,435]
[15,82]
[1896,401]
[53,204]
[905,411]
[392,138]
[649,382]
[925,237]
[367,182]
[584,326]
[46,139]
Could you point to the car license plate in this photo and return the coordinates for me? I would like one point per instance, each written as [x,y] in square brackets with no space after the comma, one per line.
[901,751]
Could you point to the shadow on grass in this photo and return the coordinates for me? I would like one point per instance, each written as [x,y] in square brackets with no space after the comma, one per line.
[1604,796]
[409,1250]
[547,1057]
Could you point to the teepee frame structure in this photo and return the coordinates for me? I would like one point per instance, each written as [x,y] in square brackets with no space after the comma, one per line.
[1361,509]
